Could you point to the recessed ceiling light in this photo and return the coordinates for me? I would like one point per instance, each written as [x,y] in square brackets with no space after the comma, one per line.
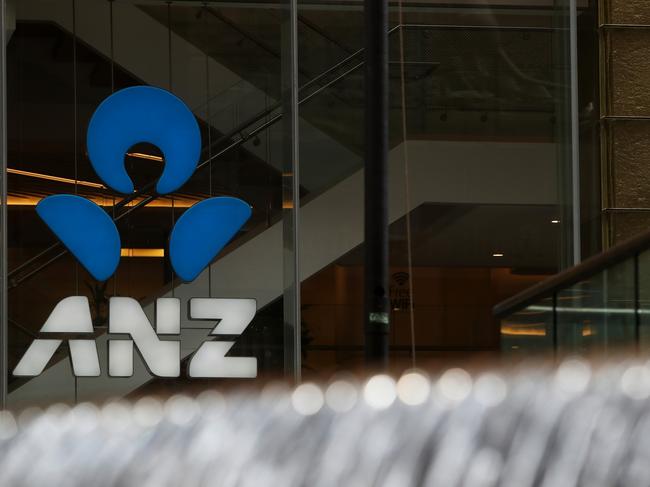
[497,254]
[555,221]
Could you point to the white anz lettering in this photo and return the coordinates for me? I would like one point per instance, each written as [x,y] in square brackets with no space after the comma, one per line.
[162,358]
[71,316]
[210,359]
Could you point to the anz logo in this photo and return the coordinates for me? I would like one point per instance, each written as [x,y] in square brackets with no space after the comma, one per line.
[130,116]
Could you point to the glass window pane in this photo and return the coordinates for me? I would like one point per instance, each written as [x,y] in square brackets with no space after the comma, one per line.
[644,301]
[223,62]
[529,330]
[477,210]
[598,314]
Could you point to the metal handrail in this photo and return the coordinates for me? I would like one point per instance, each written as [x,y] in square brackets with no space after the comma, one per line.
[270,51]
[586,269]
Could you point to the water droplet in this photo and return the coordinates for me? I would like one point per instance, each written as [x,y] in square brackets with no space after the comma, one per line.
[380,392]
[413,388]
[307,399]
[455,384]
[341,396]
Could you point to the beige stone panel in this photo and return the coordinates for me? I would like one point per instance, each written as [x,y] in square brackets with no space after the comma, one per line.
[628,11]
[630,169]
[629,65]
[628,225]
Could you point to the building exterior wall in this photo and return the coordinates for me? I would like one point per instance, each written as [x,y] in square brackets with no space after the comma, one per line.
[482,171]
[625,127]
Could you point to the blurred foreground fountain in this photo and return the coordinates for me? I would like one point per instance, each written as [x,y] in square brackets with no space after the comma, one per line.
[548,427]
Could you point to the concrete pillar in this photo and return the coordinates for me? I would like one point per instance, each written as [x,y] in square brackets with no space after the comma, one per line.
[625,92]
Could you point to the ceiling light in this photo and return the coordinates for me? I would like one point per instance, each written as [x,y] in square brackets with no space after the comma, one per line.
[125,252]
[497,254]
[555,221]
[533,330]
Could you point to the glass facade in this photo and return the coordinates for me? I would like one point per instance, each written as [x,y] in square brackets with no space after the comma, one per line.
[603,314]
[483,160]
[481,195]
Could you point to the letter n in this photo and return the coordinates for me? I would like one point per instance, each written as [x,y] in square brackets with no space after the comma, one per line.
[161,357]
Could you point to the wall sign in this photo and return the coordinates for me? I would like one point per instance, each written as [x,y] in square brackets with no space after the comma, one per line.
[127,117]
[130,329]
[400,293]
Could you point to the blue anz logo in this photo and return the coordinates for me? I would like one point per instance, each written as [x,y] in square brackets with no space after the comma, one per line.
[130,116]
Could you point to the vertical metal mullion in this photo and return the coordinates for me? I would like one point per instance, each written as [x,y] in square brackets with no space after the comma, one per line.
[171,90]
[575,131]
[208,118]
[112,54]
[169,44]
[76,155]
[554,331]
[605,301]
[4,372]
[291,192]
[637,305]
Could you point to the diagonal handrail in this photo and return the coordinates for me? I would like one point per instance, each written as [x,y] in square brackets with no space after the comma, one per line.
[617,254]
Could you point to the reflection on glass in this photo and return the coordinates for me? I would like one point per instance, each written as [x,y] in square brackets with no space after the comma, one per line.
[483,137]
[644,301]
[60,67]
[598,314]
[481,117]
[529,330]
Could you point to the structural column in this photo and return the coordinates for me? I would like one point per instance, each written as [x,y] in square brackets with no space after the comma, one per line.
[376,183]
[291,192]
[625,123]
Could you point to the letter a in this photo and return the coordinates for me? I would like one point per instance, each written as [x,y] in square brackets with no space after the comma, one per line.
[70,315]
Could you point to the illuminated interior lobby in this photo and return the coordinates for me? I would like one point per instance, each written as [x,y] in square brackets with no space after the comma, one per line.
[514,191]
